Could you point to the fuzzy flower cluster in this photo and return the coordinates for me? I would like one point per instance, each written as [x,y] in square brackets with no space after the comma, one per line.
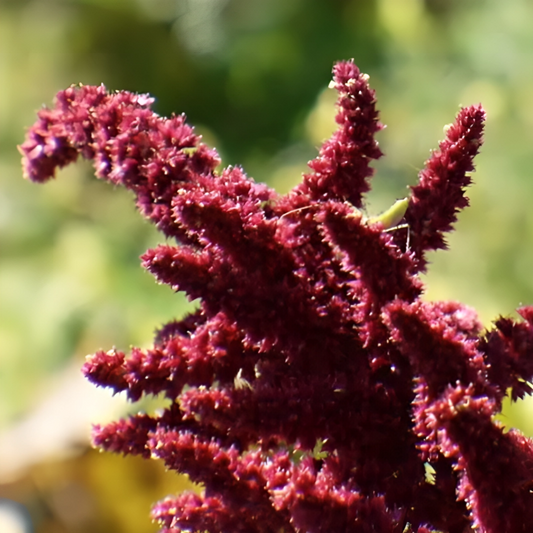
[312,390]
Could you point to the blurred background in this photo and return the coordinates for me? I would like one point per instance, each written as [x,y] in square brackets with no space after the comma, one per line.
[252,76]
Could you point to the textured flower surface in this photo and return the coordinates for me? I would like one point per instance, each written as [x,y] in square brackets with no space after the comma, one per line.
[312,390]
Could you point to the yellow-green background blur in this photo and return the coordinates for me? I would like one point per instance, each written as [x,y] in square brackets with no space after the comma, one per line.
[251,75]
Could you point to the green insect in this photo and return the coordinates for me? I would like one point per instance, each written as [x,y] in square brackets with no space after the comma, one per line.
[389,219]
[392,216]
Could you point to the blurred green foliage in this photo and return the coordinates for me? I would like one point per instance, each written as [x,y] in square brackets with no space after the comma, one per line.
[251,75]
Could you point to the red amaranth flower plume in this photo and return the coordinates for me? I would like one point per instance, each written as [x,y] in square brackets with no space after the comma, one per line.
[312,388]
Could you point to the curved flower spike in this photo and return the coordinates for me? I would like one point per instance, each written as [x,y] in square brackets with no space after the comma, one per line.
[439,195]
